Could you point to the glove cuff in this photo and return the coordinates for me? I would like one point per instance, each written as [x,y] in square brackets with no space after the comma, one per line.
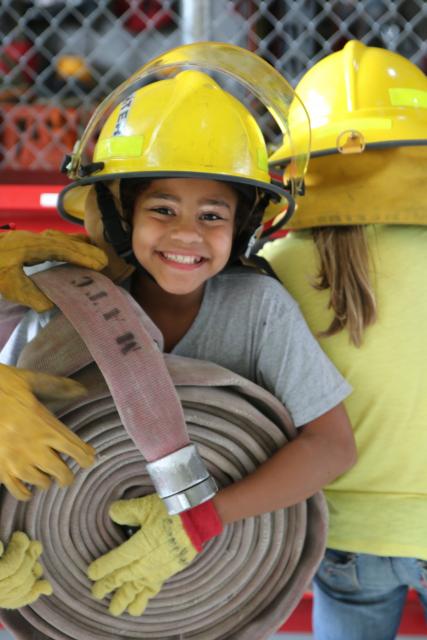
[201,523]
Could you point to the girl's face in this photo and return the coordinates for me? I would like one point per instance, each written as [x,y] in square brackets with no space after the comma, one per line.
[183,231]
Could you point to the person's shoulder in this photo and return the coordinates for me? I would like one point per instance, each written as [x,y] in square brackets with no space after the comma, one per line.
[296,245]
[243,277]
[397,234]
[254,287]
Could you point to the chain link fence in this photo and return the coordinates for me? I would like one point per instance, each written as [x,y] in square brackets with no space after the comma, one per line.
[59,59]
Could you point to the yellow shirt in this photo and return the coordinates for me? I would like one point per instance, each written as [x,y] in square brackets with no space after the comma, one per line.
[379,506]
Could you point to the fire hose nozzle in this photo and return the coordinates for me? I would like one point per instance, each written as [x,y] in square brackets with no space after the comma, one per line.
[182,480]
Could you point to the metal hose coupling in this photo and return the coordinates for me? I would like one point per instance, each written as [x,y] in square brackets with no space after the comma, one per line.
[182,480]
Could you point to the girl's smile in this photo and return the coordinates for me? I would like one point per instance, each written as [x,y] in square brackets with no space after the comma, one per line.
[182,261]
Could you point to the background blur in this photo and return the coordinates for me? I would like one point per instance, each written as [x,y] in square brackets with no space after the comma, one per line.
[59,59]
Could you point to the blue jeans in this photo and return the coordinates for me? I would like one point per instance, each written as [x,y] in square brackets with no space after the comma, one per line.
[361,596]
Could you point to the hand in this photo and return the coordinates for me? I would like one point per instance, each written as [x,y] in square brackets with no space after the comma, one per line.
[19,248]
[164,545]
[30,436]
[20,572]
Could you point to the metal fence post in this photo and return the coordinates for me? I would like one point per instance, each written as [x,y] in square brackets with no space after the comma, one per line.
[196,20]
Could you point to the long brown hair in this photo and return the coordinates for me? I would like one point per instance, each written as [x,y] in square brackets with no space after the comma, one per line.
[345,272]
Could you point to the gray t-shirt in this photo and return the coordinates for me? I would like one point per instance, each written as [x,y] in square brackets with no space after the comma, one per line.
[249,324]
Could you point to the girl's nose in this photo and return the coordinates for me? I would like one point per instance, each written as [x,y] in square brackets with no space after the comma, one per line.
[186,231]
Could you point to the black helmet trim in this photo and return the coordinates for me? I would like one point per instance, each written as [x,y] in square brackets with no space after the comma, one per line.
[274,190]
[388,144]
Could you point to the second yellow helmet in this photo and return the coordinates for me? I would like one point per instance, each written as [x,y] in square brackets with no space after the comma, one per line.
[361,97]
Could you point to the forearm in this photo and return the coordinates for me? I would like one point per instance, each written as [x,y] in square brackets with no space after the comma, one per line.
[297,471]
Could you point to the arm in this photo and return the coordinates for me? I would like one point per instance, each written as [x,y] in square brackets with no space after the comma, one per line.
[323,450]
[293,367]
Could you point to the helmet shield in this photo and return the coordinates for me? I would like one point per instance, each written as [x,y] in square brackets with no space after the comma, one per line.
[157,124]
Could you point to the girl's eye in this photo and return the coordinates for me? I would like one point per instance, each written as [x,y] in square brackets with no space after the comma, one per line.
[164,211]
[211,216]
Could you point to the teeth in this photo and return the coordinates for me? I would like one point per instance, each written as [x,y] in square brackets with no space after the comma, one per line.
[182,259]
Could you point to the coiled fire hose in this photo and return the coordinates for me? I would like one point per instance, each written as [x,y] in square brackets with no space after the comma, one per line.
[248,580]
[10,315]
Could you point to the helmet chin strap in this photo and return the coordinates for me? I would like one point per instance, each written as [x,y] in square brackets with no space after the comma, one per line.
[261,236]
[114,233]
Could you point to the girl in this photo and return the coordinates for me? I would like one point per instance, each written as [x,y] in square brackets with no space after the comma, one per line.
[184,207]
[359,264]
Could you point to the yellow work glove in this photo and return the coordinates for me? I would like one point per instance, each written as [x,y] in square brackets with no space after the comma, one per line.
[163,546]
[20,572]
[19,248]
[31,437]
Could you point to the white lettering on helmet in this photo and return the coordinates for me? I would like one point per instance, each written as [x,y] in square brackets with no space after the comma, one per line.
[123,115]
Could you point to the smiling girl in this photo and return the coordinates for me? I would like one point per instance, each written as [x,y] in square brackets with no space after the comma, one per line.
[181,209]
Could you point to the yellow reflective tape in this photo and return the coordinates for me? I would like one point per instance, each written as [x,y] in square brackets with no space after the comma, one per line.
[408,98]
[357,124]
[262,159]
[120,147]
